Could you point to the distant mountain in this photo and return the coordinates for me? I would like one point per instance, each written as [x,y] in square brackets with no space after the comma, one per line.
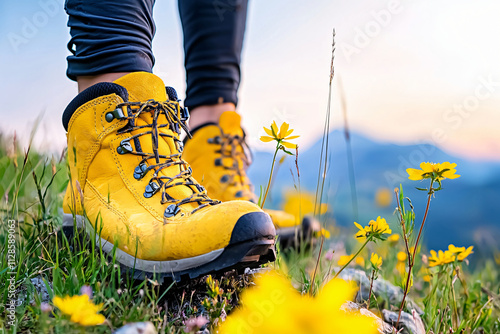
[466,211]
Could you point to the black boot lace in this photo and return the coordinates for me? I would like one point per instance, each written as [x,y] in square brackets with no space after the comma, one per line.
[236,148]
[176,117]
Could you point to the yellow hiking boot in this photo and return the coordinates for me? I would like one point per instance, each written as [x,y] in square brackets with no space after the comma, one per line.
[219,157]
[130,185]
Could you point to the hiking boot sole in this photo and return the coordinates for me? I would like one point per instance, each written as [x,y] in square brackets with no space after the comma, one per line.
[251,244]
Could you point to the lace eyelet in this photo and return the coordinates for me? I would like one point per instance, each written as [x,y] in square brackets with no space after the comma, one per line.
[224,178]
[117,113]
[171,211]
[151,189]
[218,162]
[125,147]
[214,140]
[140,171]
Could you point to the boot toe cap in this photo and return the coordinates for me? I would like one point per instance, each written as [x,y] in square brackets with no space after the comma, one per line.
[251,226]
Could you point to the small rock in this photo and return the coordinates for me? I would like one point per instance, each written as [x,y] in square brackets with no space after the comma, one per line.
[137,328]
[40,288]
[383,328]
[410,323]
[381,288]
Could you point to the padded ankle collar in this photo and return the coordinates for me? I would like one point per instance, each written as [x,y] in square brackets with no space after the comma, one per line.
[93,92]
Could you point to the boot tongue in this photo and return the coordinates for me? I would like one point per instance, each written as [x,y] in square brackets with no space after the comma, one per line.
[143,86]
[230,123]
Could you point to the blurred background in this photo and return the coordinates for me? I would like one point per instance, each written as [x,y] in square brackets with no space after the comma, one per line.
[421,82]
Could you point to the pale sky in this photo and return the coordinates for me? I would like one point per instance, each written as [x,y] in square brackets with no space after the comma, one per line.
[412,71]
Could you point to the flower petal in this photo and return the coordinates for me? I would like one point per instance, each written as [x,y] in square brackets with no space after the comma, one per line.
[269,131]
[283,130]
[359,226]
[414,174]
[289,132]
[289,145]
[274,128]
[266,139]
[427,167]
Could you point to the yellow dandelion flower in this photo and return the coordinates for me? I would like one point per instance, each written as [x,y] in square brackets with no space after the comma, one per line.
[281,137]
[360,261]
[301,204]
[344,259]
[375,228]
[440,258]
[376,261]
[80,309]
[427,278]
[448,256]
[281,309]
[383,197]
[438,171]
[393,238]
[401,267]
[322,233]
[402,256]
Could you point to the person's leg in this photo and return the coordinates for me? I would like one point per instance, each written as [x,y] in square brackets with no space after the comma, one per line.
[128,180]
[213,38]
[109,39]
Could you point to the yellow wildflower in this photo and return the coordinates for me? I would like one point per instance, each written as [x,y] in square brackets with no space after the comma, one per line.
[402,256]
[274,306]
[393,238]
[302,204]
[425,273]
[456,250]
[376,261]
[463,255]
[383,197]
[438,171]
[401,267]
[360,261]
[283,134]
[453,253]
[440,258]
[80,309]
[375,228]
[344,259]
[322,233]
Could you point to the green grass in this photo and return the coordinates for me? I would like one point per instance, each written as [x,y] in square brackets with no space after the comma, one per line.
[32,189]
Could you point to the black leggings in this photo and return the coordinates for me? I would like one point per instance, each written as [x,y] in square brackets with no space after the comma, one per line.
[110,36]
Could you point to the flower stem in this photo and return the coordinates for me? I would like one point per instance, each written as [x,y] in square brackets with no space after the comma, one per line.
[423,220]
[371,289]
[270,177]
[352,258]
[412,261]
[403,225]
[311,290]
